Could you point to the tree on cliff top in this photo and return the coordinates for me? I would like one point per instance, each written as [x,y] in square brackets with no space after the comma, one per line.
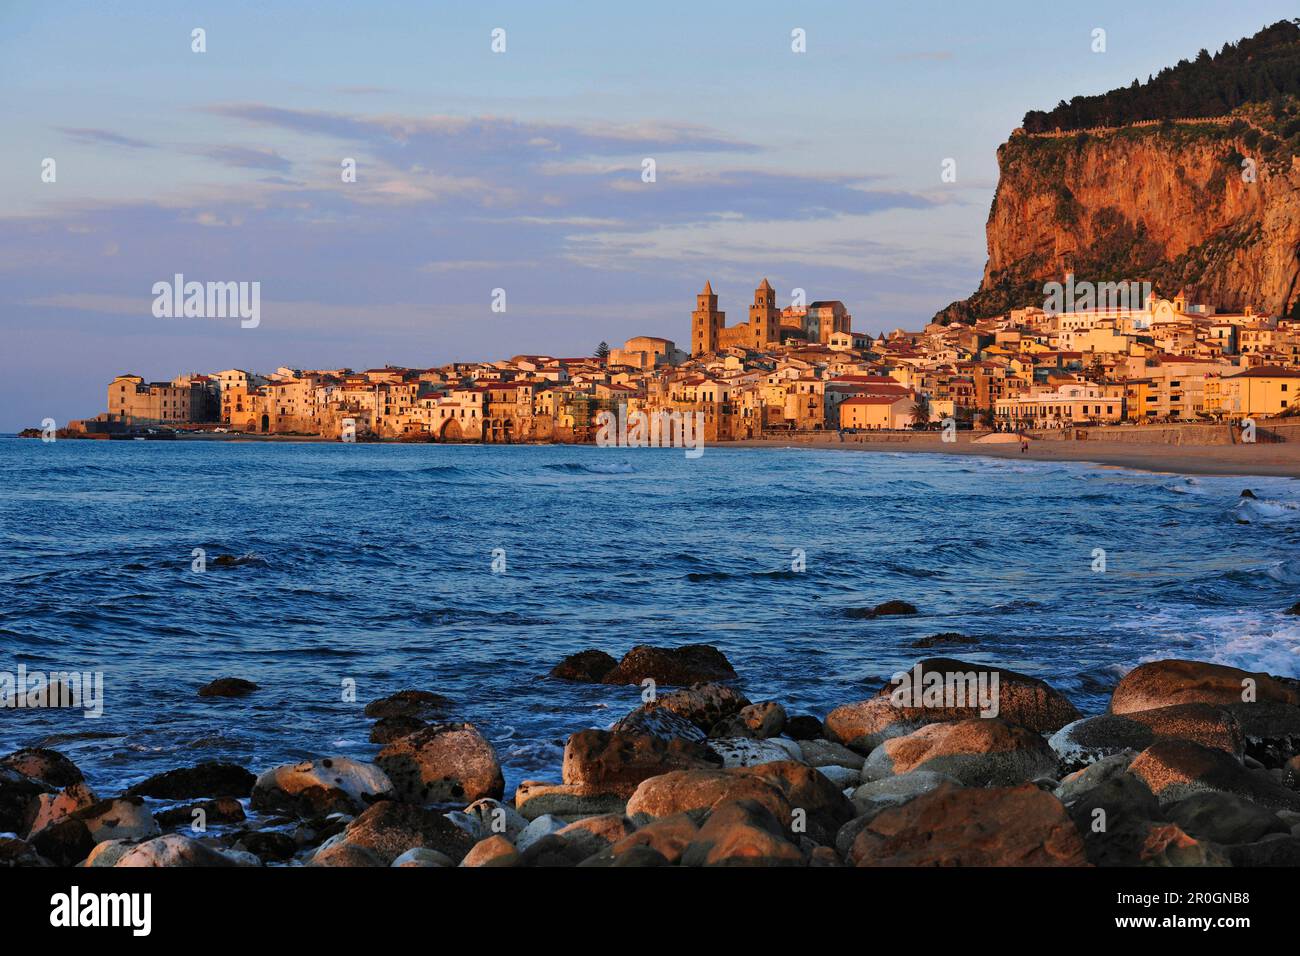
[1254,70]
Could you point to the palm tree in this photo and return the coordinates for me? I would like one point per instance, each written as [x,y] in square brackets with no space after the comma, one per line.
[921,411]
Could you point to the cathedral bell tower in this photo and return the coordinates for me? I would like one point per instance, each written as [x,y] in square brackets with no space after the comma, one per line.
[706,322]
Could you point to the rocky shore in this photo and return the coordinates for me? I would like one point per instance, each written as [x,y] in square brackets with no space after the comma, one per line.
[1193,764]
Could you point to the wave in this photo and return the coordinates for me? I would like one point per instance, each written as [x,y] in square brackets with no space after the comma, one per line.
[1264,511]
[604,468]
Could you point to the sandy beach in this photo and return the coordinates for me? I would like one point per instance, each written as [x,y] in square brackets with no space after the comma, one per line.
[1281,459]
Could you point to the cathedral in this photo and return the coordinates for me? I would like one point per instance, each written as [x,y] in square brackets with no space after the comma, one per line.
[816,323]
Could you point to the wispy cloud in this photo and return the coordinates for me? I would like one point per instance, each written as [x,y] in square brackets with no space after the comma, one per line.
[103,137]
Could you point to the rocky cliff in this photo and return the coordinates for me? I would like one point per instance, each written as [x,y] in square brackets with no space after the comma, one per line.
[1165,202]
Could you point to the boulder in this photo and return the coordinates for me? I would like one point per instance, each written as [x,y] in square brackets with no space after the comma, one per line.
[804,727]
[389,828]
[1166,845]
[423,705]
[945,639]
[345,855]
[749,752]
[270,846]
[125,818]
[823,753]
[668,837]
[1269,852]
[208,779]
[977,753]
[19,800]
[592,834]
[1271,730]
[1177,769]
[497,818]
[320,787]
[1076,784]
[741,833]
[15,853]
[1086,741]
[873,797]
[679,666]
[1114,818]
[617,762]
[819,805]
[1168,682]
[107,854]
[64,843]
[587,667]
[48,766]
[535,799]
[174,850]
[538,828]
[760,721]
[1015,826]
[704,705]
[844,778]
[228,687]
[887,609]
[696,791]
[658,722]
[553,850]
[495,850]
[1224,818]
[1022,700]
[220,810]
[387,729]
[53,807]
[423,857]
[443,763]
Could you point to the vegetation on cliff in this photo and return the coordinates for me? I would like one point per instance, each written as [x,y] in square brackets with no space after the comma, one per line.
[1255,70]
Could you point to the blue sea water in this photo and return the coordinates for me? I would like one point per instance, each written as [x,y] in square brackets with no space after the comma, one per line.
[374,564]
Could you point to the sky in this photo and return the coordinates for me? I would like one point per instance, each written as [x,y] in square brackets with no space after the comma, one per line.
[519,170]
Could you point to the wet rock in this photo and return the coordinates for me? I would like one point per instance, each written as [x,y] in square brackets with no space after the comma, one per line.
[804,727]
[759,721]
[1167,845]
[1269,852]
[1293,609]
[741,833]
[667,837]
[749,752]
[52,807]
[1177,769]
[877,795]
[1169,682]
[1271,731]
[345,855]
[48,766]
[125,818]
[19,800]
[64,843]
[679,666]
[540,827]
[592,834]
[1086,741]
[423,857]
[704,705]
[658,722]
[822,805]
[887,609]
[389,828]
[174,850]
[388,729]
[1224,818]
[107,854]
[978,753]
[1022,700]
[587,667]
[228,687]
[271,846]
[637,856]
[844,778]
[617,762]
[684,791]
[422,705]
[496,817]
[535,799]
[15,853]
[823,753]
[321,787]
[1114,818]
[1017,826]
[208,779]
[552,850]
[1076,784]
[495,850]
[443,763]
[219,811]
[945,639]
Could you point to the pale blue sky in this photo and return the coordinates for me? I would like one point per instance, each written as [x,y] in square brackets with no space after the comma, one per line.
[518,170]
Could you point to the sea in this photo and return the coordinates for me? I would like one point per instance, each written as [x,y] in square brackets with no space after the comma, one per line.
[352,571]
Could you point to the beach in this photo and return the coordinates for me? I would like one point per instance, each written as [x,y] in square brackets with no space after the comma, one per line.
[1279,460]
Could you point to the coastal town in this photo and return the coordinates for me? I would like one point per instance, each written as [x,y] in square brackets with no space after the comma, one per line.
[784,371]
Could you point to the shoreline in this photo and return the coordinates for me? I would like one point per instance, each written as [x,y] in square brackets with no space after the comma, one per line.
[1281,460]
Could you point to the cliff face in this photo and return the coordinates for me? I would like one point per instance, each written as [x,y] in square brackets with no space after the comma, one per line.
[1165,203]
